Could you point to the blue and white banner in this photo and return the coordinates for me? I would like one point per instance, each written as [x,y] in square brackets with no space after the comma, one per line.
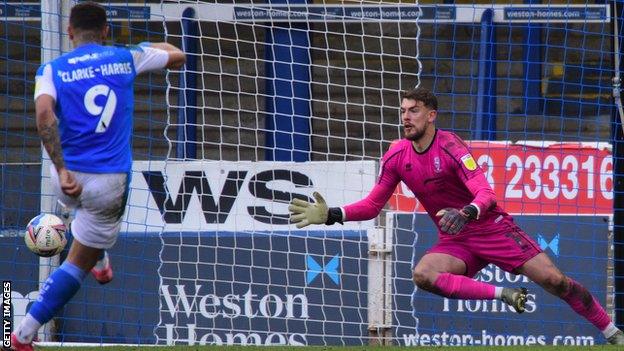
[577,245]
[238,196]
[547,13]
[264,289]
[341,13]
[462,13]
[217,288]
[21,11]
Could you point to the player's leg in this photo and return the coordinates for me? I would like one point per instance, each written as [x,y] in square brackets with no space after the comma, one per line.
[58,289]
[432,265]
[60,286]
[108,212]
[103,270]
[95,229]
[499,244]
[443,273]
[449,276]
[543,272]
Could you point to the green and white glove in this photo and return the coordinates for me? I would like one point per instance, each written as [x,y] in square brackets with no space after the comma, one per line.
[303,213]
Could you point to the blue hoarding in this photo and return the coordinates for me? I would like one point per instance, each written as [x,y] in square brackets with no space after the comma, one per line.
[309,289]
[20,267]
[264,289]
[339,12]
[528,13]
[125,310]
[577,245]
[254,288]
[33,10]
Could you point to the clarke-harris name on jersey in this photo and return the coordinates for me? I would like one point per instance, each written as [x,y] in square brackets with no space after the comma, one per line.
[107,69]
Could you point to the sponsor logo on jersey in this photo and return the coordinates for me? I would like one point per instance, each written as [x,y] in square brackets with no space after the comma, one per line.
[469,162]
[83,58]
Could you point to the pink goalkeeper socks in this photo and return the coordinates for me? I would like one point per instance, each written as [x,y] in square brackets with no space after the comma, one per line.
[583,303]
[461,287]
[578,297]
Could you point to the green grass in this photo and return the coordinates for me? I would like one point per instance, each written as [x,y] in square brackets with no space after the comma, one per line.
[352,348]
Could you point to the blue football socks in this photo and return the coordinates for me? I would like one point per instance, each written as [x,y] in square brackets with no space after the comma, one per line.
[57,290]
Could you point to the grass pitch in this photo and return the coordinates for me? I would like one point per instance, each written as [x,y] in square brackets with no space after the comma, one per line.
[337,348]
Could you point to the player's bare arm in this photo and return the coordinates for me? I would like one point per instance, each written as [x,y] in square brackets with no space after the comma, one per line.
[177,58]
[47,128]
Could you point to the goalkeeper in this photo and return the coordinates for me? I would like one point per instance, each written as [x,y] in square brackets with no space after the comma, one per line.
[474,231]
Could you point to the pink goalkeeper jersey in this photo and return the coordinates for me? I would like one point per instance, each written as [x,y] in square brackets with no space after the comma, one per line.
[444,175]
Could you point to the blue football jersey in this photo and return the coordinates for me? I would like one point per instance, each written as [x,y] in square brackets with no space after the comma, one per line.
[94,106]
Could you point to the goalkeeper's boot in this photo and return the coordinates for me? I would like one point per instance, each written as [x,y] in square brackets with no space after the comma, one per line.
[18,346]
[515,298]
[103,271]
[617,338]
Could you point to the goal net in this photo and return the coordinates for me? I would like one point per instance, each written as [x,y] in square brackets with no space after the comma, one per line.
[270,91]
[320,84]
[280,100]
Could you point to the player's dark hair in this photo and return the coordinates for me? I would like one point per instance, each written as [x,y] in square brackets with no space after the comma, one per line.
[421,94]
[88,16]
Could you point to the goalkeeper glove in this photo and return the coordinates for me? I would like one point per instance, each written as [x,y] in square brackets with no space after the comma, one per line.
[454,220]
[303,213]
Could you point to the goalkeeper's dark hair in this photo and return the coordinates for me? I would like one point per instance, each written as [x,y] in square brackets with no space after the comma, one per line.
[88,15]
[421,94]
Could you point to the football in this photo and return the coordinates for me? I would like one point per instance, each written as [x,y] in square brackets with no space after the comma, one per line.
[45,235]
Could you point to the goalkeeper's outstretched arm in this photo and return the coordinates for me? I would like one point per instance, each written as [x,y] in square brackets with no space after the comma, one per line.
[303,213]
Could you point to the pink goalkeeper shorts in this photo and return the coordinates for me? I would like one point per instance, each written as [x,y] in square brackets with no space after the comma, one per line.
[503,244]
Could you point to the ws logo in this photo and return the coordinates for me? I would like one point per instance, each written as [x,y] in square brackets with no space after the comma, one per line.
[217,209]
